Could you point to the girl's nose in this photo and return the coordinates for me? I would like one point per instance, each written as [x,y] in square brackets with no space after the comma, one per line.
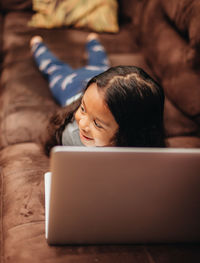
[84,124]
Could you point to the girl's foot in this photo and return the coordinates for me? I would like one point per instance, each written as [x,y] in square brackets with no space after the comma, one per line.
[92,36]
[35,40]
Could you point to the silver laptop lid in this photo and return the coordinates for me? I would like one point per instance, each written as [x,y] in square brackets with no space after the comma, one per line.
[124,195]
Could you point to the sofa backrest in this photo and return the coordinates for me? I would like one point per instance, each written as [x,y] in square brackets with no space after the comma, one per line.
[15,5]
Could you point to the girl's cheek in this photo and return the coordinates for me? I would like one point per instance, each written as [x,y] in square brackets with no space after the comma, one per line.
[77,116]
[99,140]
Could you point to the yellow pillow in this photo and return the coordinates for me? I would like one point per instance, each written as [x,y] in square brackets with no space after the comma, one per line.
[97,15]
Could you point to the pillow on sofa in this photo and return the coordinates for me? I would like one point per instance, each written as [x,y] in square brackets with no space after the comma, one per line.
[97,15]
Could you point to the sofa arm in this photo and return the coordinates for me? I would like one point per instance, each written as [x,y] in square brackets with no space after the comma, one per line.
[176,64]
[185,15]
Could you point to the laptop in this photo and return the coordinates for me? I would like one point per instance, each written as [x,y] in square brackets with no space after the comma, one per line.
[122,195]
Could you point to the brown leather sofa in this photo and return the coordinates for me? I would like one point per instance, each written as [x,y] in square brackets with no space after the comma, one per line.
[157,35]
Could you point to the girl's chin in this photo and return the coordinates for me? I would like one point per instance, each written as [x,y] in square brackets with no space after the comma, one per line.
[87,142]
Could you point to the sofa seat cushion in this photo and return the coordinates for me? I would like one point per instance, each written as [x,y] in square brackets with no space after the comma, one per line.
[22,168]
[24,107]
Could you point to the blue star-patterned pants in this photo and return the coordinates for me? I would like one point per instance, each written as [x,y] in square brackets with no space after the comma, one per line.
[67,84]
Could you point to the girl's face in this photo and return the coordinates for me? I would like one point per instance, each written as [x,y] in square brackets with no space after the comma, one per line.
[96,123]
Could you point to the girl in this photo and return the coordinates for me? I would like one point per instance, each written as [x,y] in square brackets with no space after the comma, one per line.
[123,106]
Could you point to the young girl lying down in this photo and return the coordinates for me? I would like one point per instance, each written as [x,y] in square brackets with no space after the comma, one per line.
[119,106]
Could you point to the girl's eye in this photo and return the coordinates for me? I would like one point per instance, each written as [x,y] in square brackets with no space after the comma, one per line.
[82,108]
[98,125]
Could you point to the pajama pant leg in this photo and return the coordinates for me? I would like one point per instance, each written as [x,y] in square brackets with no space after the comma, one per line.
[96,54]
[47,62]
[57,72]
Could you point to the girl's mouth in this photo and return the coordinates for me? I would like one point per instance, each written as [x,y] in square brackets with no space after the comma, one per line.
[85,137]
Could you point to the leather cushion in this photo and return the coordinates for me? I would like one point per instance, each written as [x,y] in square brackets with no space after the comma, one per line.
[173,60]
[185,15]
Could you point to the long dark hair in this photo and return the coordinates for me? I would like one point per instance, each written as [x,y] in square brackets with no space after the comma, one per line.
[137,103]
[135,100]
